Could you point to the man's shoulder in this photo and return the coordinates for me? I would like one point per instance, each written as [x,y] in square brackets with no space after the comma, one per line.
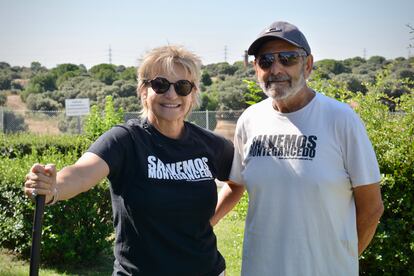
[257,108]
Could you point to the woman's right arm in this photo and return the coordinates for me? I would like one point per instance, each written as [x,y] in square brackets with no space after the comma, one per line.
[89,170]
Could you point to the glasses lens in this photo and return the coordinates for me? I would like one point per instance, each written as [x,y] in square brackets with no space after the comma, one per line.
[285,58]
[183,87]
[266,61]
[288,58]
[160,85]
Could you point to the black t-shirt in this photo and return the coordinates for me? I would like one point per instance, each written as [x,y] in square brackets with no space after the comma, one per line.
[163,196]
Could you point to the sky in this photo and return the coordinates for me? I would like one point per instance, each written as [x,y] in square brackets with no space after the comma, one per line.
[91,32]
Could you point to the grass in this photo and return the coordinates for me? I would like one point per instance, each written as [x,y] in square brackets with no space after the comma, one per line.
[10,265]
[229,233]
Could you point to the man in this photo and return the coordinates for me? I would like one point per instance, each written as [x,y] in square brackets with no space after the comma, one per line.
[308,166]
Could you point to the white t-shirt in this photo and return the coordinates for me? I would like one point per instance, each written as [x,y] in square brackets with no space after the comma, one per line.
[299,169]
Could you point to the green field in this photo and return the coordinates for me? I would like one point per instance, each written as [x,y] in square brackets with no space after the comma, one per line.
[229,234]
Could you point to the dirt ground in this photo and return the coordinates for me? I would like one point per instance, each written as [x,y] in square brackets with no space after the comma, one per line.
[15,103]
[35,125]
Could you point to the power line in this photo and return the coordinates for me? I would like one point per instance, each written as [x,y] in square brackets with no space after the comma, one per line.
[225,53]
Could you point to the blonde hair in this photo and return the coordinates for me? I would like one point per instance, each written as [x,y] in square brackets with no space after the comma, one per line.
[163,60]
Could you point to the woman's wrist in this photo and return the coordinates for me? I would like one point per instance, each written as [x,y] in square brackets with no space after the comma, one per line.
[55,197]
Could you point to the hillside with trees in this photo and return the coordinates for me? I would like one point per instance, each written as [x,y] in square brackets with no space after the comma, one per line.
[222,85]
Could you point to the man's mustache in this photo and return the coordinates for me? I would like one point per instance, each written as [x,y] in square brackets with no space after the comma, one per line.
[275,78]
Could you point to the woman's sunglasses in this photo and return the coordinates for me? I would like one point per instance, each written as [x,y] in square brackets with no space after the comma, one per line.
[288,58]
[161,85]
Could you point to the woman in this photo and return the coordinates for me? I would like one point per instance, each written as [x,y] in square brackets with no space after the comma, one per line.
[162,172]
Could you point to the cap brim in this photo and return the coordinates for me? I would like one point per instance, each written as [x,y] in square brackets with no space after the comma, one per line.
[255,46]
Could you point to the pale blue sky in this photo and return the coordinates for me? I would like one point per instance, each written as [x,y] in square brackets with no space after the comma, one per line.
[81,31]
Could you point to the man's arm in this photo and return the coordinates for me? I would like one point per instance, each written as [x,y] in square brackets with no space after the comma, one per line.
[369,209]
[228,197]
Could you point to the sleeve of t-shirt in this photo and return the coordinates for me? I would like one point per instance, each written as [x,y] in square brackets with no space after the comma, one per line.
[225,160]
[359,156]
[112,148]
[238,157]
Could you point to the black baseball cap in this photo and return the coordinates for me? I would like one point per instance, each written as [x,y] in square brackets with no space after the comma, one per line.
[280,30]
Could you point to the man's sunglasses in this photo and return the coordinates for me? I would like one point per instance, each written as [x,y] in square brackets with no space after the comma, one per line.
[161,85]
[288,58]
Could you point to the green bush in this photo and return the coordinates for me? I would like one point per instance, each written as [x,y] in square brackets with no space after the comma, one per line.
[73,231]
[392,134]
[22,144]
[98,122]
[39,102]
[76,230]
[13,122]
[3,99]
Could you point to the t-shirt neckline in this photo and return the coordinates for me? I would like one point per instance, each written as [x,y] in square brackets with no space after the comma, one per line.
[183,139]
[299,111]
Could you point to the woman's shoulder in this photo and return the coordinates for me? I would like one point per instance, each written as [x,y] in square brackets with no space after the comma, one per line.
[204,134]
[120,132]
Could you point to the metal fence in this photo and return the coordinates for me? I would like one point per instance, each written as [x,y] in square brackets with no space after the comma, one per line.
[56,122]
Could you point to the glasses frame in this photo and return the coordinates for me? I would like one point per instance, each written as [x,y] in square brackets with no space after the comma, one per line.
[281,56]
[177,86]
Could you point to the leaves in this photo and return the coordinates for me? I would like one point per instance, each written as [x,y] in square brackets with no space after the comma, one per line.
[75,230]
[97,123]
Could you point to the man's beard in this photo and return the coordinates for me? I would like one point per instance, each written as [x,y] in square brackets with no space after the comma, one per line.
[281,91]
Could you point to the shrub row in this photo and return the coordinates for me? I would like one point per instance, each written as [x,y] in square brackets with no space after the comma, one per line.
[19,145]
[73,230]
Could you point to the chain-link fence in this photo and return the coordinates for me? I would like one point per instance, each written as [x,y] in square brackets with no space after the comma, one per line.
[56,122]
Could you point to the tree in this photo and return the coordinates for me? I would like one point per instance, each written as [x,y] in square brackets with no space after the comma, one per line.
[208,100]
[206,79]
[354,62]
[36,67]
[220,68]
[38,102]
[4,65]
[40,83]
[405,74]
[65,71]
[378,60]
[130,73]
[353,82]
[231,94]
[106,73]
[331,66]
[5,80]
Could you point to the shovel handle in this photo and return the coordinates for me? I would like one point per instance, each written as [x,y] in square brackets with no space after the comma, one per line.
[37,235]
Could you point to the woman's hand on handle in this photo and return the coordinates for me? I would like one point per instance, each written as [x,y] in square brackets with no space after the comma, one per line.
[41,180]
